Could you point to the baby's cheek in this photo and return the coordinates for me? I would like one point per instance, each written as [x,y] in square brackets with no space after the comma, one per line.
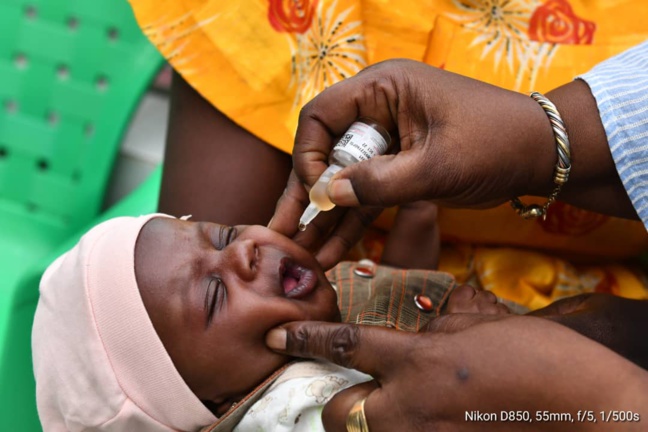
[284,311]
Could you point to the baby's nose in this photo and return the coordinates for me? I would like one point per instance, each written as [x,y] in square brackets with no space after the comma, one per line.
[244,254]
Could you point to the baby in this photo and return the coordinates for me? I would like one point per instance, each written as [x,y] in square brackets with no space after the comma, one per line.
[157,324]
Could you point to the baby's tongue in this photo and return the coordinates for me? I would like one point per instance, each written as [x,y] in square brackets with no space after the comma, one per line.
[289,283]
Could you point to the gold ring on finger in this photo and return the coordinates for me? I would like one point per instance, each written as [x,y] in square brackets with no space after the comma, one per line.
[356,420]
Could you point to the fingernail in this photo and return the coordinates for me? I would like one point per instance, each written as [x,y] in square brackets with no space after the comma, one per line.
[276,339]
[270,223]
[342,193]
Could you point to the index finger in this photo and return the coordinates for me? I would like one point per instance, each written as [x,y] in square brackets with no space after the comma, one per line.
[372,350]
[289,208]
[286,220]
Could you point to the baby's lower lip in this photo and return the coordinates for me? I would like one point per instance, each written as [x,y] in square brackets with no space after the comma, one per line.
[297,281]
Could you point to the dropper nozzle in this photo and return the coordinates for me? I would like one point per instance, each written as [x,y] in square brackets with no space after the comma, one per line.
[308,216]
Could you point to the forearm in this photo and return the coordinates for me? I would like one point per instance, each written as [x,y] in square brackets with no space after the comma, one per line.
[594,183]
[617,323]
[593,180]
[605,114]
[216,170]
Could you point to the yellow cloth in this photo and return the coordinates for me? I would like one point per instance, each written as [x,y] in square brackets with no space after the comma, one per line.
[535,280]
[260,61]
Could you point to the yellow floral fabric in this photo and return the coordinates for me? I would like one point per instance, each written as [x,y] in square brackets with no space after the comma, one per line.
[260,61]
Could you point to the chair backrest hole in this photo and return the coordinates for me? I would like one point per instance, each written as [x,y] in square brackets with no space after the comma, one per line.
[76,176]
[11,106]
[88,129]
[113,34]
[62,72]
[73,23]
[42,164]
[53,118]
[21,61]
[31,207]
[31,12]
[102,83]
[3,153]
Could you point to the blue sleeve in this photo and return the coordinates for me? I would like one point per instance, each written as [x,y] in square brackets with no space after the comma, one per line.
[620,87]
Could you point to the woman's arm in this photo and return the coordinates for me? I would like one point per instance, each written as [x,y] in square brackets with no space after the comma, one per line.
[594,183]
[214,169]
[618,323]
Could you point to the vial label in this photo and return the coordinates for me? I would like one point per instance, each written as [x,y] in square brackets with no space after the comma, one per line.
[362,142]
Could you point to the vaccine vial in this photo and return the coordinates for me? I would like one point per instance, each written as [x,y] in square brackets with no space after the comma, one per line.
[362,141]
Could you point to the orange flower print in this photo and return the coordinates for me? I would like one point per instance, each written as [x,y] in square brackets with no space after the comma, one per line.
[291,16]
[571,221]
[555,22]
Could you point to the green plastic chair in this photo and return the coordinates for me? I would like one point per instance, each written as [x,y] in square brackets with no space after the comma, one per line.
[18,406]
[71,74]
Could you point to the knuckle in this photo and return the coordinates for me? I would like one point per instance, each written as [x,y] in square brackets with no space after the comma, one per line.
[449,323]
[344,343]
[343,242]
[293,194]
[298,341]
[367,194]
[381,84]
[338,345]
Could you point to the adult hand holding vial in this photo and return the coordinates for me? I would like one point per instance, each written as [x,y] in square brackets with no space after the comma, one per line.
[362,141]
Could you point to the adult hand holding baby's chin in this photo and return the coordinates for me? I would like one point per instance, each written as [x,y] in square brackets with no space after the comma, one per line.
[466,364]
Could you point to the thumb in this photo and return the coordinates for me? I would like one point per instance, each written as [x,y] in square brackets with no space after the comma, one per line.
[382,181]
[373,350]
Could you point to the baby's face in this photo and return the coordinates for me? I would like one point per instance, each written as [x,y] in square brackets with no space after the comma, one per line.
[213,292]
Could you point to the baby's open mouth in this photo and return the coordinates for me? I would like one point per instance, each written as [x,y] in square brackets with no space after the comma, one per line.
[297,281]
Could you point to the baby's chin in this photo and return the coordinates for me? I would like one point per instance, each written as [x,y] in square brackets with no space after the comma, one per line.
[329,297]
